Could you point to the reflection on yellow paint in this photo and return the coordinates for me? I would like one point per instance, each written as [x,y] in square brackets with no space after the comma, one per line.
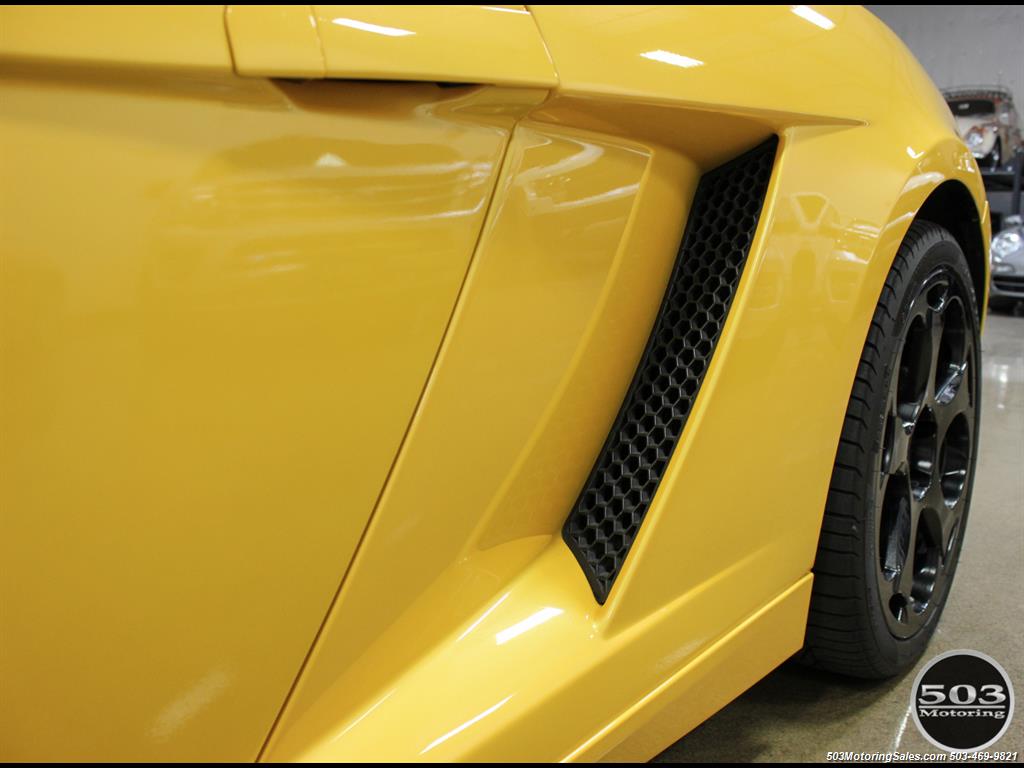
[675,59]
[459,729]
[189,705]
[530,622]
[817,19]
[377,29]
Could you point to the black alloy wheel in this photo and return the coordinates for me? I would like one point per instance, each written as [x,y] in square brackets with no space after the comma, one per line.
[900,491]
[926,454]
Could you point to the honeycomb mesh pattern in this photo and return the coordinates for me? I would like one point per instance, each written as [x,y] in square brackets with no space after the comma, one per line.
[723,218]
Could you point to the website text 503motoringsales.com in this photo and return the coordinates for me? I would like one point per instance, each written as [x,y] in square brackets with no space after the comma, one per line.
[850,756]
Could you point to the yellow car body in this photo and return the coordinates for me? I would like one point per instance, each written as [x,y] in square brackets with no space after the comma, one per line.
[314,320]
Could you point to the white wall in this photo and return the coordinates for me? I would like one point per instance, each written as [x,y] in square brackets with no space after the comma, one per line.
[963,44]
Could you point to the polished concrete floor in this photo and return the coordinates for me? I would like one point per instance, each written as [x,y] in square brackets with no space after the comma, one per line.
[798,715]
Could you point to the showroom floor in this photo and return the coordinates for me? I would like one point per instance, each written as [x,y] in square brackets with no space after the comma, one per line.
[798,715]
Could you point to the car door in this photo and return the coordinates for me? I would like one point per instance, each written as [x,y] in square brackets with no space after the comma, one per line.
[230,252]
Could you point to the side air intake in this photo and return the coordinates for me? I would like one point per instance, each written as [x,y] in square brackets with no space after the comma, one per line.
[607,515]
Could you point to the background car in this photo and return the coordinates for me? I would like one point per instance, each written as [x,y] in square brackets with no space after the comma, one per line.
[988,121]
[1007,267]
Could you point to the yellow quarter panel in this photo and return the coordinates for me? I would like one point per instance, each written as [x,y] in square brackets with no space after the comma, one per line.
[220,301]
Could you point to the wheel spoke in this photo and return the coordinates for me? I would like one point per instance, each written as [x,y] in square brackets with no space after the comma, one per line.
[952,353]
[949,518]
[937,292]
[906,578]
[953,386]
[895,439]
[922,452]
[894,532]
[951,535]
[935,326]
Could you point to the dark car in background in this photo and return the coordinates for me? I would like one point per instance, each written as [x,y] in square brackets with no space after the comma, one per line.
[987,119]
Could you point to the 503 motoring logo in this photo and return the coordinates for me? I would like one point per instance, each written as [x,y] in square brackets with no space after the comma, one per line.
[962,701]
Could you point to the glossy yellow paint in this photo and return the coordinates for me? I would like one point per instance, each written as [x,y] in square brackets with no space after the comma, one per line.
[186,39]
[220,303]
[705,564]
[549,307]
[457,43]
[734,58]
[254,349]
[505,491]
[275,41]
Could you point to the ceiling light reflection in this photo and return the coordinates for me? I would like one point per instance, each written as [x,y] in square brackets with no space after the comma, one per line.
[541,616]
[487,613]
[465,725]
[375,28]
[809,14]
[675,59]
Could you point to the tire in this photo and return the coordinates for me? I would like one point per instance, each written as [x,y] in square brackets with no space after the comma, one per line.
[904,468]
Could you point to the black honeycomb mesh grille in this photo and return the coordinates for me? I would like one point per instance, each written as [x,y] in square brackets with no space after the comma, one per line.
[610,508]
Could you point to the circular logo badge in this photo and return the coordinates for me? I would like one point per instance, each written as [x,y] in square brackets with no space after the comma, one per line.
[962,701]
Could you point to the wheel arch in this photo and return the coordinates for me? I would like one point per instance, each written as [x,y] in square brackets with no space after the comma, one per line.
[951,205]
